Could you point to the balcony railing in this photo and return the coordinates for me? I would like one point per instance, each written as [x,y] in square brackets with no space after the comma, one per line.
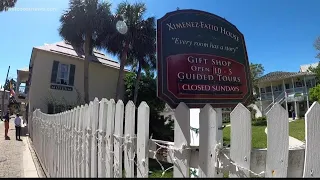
[268,95]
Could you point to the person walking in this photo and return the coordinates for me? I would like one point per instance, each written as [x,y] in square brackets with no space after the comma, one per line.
[17,123]
[6,125]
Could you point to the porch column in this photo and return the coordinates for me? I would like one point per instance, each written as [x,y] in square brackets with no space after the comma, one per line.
[285,94]
[295,102]
[17,83]
[272,93]
[307,93]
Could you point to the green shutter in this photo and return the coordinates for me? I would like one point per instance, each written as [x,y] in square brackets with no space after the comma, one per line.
[71,75]
[54,71]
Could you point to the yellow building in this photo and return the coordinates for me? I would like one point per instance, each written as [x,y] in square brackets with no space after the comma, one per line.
[55,81]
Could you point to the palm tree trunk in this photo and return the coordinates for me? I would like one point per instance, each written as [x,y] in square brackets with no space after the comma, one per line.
[136,86]
[120,84]
[86,67]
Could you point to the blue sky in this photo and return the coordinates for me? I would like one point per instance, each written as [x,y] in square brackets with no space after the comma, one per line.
[278,33]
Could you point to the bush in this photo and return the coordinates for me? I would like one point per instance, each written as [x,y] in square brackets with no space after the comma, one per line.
[261,121]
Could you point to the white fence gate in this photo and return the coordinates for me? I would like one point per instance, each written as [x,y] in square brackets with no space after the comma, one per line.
[99,140]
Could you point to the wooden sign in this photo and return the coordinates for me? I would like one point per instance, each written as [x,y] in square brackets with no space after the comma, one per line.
[201,58]
[60,87]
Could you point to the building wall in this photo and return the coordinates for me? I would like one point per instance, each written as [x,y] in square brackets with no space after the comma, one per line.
[102,80]
[6,100]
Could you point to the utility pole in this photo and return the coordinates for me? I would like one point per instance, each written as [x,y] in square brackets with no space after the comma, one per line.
[3,94]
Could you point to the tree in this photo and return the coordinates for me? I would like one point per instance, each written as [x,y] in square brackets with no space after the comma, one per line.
[128,22]
[142,56]
[317,46]
[6,4]
[316,70]
[81,25]
[314,93]
[160,128]
[256,71]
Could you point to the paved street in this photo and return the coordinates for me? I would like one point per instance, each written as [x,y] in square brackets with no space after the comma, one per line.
[15,157]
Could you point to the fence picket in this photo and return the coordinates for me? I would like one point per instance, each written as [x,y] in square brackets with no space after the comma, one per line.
[143,141]
[181,140]
[89,133]
[278,142]
[94,116]
[208,133]
[103,108]
[82,150]
[312,136]
[76,142]
[110,138]
[68,158]
[129,145]
[118,139]
[240,150]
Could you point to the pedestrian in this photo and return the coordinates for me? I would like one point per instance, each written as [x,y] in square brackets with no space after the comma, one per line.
[6,125]
[17,123]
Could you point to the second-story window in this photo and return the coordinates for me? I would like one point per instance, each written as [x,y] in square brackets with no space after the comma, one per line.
[62,73]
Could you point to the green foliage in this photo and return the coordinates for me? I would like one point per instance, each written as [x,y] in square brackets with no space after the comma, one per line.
[160,128]
[317,46]
[256,70]
[314,93]
[6,4]
[260,121]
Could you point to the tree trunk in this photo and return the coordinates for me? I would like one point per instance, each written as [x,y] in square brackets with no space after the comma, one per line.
[136,86]
[86,68]
[120,83]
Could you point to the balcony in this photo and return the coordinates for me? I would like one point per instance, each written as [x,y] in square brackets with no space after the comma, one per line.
[290,93]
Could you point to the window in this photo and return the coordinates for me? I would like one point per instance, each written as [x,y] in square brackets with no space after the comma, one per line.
[63,74]
[268,89]
[262,90]
[298,84]
[287,86]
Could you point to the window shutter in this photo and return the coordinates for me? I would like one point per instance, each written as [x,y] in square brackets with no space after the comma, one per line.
[71,75]
[54,71]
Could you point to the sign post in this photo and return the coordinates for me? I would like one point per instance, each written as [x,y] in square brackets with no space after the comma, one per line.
[201,59]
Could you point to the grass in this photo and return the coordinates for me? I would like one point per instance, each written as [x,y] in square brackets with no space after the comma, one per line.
[259,138]
[296,129]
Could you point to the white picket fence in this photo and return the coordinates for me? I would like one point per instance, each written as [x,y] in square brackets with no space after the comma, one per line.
[98,139]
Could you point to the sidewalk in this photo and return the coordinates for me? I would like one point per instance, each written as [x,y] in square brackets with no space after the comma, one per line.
[15,157]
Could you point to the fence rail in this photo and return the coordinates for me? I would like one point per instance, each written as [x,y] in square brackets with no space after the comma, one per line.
[99,140]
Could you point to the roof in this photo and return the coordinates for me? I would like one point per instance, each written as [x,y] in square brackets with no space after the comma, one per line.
[305,67]
[26,69]
[67,49]
[281,75]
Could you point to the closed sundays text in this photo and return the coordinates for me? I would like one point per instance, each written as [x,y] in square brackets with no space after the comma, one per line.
[218,88]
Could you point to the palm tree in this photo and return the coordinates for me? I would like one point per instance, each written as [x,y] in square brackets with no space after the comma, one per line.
[142,55]
[82,25]
[6,4]
[129,23]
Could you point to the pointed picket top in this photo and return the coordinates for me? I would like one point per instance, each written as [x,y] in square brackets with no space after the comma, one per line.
[312,135]
[276,109]
[129,104]
[182,106]
[207,109]
[278,142]
[239,108]
[143,104]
